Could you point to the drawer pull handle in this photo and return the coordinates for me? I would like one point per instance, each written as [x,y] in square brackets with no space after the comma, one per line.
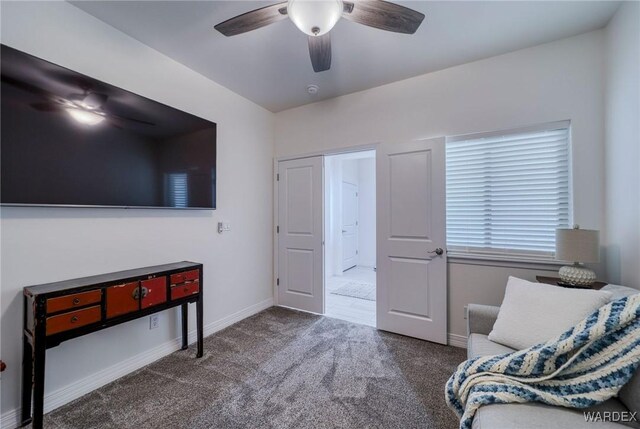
[76,301]
[74,319]
[137,293]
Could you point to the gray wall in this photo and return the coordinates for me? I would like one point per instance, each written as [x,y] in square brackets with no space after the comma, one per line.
[556,81]
[622,149]
[42,245]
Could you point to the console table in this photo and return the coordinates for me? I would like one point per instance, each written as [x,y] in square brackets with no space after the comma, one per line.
[60,311]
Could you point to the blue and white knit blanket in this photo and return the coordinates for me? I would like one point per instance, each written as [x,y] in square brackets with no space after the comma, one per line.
[586,365]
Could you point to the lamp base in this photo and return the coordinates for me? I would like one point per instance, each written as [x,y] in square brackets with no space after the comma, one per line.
[577,275]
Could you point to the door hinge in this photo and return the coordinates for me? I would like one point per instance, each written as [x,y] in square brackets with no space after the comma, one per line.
[278,282]
[356,252]
[278,229]
[356,223]
[278,177]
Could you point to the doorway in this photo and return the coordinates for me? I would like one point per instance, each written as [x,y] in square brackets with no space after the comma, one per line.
[350,237]
[394,278]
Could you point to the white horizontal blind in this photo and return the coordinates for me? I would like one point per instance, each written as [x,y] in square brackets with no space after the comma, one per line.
[178,190]
[508,193]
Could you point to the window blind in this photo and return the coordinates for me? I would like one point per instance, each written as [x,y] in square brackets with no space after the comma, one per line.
[178,189]
[507,193]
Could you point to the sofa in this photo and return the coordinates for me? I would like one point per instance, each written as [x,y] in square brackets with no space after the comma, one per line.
[481,319]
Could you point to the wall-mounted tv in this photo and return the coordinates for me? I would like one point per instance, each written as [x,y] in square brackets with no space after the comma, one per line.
[71,140]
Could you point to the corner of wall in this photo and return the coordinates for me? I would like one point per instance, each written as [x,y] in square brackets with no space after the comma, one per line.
[621,149]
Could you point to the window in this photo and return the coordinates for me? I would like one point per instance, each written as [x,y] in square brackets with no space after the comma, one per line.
[508,192]
[178,190]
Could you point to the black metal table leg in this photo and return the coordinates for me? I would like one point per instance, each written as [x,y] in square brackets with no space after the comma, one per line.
[199,323]
[27,379]
[38,382]
[185,326]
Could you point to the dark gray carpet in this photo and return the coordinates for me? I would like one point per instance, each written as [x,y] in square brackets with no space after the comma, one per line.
[280,369]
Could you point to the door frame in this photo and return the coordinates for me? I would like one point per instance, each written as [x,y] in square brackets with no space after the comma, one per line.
[276,160]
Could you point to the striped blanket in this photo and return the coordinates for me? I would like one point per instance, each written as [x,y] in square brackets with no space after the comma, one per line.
[586,365]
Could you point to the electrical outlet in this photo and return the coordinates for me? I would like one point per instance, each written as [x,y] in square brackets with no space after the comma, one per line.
[466,312]
[154,321]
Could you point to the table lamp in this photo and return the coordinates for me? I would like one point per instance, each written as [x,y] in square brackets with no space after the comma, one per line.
[580,246]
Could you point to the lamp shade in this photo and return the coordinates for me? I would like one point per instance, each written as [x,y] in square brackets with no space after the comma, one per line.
[578,245]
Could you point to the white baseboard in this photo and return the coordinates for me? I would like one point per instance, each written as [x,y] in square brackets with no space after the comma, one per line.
[456,340]
[11,419]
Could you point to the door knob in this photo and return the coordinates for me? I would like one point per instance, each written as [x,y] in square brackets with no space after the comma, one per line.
[344,230]
[438,251]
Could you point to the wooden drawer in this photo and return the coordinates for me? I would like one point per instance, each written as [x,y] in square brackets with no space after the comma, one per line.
[72,301]
[73,319]
[187,289]
[185,276]
[154,291]
[122,299]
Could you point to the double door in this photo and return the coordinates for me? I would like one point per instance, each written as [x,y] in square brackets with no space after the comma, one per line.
[411,297]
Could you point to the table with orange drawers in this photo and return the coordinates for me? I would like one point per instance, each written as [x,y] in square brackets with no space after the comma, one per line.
[60,311]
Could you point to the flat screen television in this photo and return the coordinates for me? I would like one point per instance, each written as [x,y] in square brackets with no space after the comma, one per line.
[71,140]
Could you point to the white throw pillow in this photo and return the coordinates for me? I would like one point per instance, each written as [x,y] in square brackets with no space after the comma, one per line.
[533,313]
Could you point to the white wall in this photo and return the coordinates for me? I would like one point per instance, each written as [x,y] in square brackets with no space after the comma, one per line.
[333,216]
[350,171]
[367,212]
[48,244]
[622,149]
[551,82]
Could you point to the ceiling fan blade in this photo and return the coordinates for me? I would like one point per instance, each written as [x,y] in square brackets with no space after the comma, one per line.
[113,116]
[383,15]
[46,107]
[253,20]
[320,52]
[25,86]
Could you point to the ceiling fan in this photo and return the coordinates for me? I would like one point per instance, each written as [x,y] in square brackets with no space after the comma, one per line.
[86,107]
[317,17]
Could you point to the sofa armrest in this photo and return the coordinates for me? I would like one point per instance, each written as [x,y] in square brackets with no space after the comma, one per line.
[480,318]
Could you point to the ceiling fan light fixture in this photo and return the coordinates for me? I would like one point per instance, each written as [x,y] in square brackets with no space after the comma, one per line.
[315,17]
[85,117]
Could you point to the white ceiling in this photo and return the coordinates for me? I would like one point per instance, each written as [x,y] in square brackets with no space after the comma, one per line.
[271,66]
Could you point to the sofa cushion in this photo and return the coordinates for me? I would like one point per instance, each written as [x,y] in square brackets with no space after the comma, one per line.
[533,313]
[480,345]
[630,393]
[541,416]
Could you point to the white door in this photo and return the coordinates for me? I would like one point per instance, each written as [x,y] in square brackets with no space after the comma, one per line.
[349,225]
[300,259]
[412,264]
